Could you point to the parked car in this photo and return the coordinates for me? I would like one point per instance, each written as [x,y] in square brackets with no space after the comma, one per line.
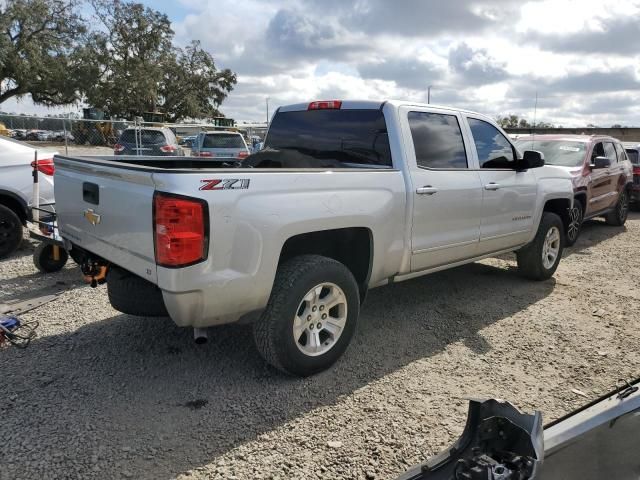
[154,141]
[346,196]
[229,145]
[16,188]
[187,141]
[601,171]
[633,152]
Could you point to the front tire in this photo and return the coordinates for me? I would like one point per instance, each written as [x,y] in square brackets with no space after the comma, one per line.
[576,215]
[311,315]
[539,260]
[618,217]
[10,231]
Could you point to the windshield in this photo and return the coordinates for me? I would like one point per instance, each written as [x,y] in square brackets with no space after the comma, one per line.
[565,153]
[326,138]
[223,140]
[633,156]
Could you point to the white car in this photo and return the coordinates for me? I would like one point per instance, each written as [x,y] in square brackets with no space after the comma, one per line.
[16,188]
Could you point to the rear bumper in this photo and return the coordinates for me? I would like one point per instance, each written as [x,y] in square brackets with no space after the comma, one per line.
[218,298]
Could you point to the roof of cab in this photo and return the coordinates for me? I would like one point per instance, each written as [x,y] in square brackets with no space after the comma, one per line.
[375,105]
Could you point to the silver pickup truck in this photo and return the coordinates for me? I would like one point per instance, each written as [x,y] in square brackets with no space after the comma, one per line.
[345,196]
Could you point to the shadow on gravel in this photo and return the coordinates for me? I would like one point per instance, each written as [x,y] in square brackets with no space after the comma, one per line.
[36,284]
[136,397]
[593,232]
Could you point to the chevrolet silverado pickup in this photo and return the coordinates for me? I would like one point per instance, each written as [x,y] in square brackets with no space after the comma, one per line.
[344,197]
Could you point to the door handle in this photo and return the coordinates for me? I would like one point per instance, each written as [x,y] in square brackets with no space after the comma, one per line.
[426,190]
[491,186]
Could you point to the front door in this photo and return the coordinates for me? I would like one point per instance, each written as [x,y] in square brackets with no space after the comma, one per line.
[508,196]
[600,184]
[447,196]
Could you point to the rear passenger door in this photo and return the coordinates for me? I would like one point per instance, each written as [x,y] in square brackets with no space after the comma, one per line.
[446,192]
[508,196]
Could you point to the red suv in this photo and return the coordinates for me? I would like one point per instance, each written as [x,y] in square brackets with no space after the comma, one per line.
[602,175]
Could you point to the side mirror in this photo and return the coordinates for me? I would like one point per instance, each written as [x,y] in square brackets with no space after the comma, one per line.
[531,159]
[601,162]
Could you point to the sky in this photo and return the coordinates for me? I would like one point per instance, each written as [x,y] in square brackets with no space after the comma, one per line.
[581,58]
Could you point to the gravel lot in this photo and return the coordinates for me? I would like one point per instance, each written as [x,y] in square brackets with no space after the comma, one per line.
[104,395]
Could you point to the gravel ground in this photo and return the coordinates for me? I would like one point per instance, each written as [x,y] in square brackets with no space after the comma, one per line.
[104,395]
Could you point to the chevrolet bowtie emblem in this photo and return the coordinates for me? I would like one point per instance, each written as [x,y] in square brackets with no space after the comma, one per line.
[92,216]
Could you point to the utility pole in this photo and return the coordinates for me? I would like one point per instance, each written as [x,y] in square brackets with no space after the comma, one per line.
[429,93]
[267,110]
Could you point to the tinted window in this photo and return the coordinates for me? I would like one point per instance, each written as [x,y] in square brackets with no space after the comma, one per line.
[610,152]
[494,150]
[223,140]
[325,138]
[633,156]
[556,152]
[598,151]
[147,137]
[437,140]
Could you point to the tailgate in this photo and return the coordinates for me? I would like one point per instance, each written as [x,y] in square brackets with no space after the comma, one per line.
[107,209]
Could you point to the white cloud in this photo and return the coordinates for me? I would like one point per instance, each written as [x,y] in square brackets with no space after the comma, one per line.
[582,57]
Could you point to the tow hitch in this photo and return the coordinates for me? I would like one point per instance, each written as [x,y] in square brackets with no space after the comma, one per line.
[94,271]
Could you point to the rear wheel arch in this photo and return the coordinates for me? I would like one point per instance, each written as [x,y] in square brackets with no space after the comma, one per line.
[353,247]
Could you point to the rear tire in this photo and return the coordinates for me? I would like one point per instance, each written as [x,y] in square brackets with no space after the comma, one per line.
[618,216]
[576,215]
[539,260]
[133,295]
[10,231]
[44,261]
[311,315]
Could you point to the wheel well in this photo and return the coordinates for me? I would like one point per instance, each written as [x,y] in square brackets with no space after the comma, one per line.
[582,198]
[559,206]
[15,205]
[352,247]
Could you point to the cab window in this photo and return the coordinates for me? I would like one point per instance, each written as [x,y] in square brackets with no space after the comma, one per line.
[494,150]
[437,140]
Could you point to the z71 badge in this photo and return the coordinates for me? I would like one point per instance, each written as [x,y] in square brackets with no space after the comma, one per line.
[226,184]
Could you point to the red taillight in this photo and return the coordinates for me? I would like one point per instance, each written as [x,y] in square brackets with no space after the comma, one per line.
[636,170]
[243,154]
[180,226]
[118,148]
[45,166]
[325,105]
[205,154]
[168,148]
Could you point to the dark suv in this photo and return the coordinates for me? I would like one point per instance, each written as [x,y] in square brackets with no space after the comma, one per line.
[602,175]
[158,141]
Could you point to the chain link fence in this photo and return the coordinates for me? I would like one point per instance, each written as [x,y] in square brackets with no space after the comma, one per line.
[80,136]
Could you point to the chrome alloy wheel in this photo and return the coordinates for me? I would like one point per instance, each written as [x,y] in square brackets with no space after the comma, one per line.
[623,206]
[575,220]
[320,319]
[551,248]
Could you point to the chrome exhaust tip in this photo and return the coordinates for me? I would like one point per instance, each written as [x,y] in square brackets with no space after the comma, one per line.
[200,335]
